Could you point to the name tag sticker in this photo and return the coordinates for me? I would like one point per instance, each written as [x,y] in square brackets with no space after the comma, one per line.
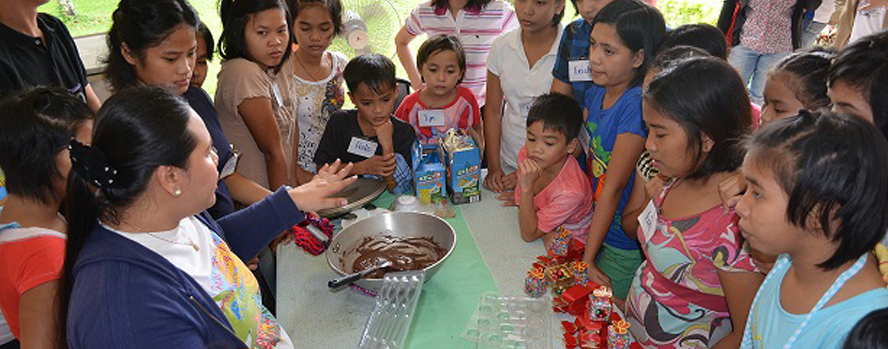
[648,221]
[278,98]
[431,118]
[579,71]
[230,165]
[362,147]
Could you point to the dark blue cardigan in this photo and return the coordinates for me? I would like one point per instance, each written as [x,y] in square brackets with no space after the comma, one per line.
[127,296]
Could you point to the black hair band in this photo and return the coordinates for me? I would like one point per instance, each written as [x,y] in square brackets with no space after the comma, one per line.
[91,164]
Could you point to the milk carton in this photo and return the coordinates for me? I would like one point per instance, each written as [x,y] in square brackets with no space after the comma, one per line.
[428,173]
[462,160]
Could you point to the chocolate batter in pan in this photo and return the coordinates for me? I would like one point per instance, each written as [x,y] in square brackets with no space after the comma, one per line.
[406,253]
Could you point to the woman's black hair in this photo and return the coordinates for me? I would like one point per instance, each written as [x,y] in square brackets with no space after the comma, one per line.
[235,15]
[207,37]
[334,7]
[864,65]
[685,93]
[37,125]
[442,42]
[869,332]
[557,112]
[700,35]
[136,131]
[558,16]
[832,168]
[674,55]
[808,71]
[640,27]
[140,25]
[474,5]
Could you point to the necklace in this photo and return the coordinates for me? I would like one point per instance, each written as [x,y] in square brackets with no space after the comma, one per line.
[304,68]
[190,242]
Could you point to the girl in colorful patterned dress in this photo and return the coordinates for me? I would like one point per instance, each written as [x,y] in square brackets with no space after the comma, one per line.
[317,87]
[695,288]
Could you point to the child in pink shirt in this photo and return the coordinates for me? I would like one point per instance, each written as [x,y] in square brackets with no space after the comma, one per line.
[552,190]
[441,104]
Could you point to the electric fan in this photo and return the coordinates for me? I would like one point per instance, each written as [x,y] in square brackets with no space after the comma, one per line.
[369,26]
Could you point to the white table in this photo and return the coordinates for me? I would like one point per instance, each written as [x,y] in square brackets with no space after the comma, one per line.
[319,318]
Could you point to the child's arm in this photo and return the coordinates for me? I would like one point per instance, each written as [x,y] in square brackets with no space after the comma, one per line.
[477,129]
[560,72]
[562,87]
[245,191]
[379,165]
[642,193]
[259,118]
[36,309]
[633,208]
[740,289]
[527,215]
[384,134]
[496,180]
[402,47]
[477,133]
[627,149]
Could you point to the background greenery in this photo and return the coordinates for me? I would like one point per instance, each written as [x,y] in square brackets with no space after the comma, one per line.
[94,16]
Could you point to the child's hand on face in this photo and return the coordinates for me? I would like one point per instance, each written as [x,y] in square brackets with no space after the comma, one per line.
[382,165]
[730,190]
[384,133]
[654,186]
[530,171]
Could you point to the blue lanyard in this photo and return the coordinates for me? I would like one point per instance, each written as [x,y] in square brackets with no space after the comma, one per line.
[785,263]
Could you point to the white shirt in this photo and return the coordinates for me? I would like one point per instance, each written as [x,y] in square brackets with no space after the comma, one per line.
[868,21]
[520,83]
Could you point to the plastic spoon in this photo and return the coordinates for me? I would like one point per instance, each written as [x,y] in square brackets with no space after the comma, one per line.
[350,278]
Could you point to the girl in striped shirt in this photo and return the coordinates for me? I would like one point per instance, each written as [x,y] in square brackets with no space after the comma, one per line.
[475,22]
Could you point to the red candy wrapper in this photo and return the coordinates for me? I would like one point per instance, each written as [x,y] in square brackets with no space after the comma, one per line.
[305,239]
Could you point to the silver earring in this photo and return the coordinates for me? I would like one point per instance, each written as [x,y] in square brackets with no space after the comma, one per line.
[177,192]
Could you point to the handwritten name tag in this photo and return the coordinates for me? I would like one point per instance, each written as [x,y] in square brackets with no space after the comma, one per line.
[579,71]
[431,118]
[362,147]
[648,221]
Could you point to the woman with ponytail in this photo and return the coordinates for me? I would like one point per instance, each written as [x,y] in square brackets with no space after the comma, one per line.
[145,265]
